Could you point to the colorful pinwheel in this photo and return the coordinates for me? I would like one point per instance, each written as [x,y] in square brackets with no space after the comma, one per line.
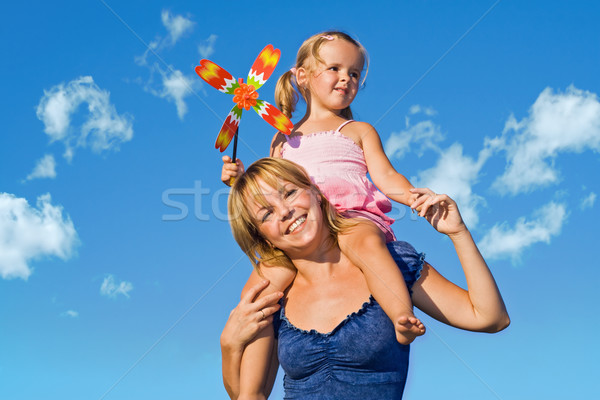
[245,95]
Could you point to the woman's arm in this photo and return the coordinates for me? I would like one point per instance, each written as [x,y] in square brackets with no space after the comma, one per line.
[243,324]
[480,307]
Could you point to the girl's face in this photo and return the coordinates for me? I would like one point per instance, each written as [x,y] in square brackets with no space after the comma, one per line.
[335,81]
[290,218]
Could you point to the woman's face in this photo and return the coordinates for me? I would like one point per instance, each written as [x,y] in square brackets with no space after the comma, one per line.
[290,218]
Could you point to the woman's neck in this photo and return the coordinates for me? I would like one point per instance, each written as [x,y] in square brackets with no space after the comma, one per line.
[318,261]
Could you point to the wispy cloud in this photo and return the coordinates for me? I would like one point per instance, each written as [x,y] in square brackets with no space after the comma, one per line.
[588,201]
[177,26]
[110,288]
[505,242]
[44,168]
[557,123]
[173,85]
[207,47]
[416,109]
[425,135]
[103,128]
[455,174]
[70,314]
[28,233]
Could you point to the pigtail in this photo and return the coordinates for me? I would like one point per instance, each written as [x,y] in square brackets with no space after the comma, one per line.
[286,96]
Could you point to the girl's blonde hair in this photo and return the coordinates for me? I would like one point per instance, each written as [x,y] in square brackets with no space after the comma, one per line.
[286,94]
[274,172]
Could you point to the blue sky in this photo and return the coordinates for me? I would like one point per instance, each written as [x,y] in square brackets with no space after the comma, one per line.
[117,266]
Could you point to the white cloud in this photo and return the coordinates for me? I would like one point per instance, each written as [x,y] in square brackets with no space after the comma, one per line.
[177,25]
[175,87]
[70,314]
[111,289]
[455,174]
[503,241]
[416,109]
[424,135]
[28,233]
[103,128]
[207,48]
[588,201]
[557,123]
[44,168]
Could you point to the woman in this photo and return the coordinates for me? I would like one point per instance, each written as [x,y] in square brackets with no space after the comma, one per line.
[334,341]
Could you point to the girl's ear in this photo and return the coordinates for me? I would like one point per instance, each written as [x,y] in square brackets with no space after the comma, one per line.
[302,77]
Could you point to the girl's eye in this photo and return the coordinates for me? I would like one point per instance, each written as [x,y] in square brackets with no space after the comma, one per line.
[333,68]
[354,75]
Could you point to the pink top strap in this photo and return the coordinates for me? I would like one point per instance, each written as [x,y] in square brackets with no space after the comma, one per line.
[343,125]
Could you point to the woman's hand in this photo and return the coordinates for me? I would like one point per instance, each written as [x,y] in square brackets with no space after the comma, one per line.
[439,210]
[250,317]
[230,170]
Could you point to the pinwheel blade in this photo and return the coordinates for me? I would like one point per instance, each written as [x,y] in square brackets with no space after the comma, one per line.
[228,129]
[273,116]
[263,67]
[216,76]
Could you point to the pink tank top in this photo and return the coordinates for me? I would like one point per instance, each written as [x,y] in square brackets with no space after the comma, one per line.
[337,165]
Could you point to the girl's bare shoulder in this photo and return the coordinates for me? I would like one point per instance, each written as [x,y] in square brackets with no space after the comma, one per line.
[359,131]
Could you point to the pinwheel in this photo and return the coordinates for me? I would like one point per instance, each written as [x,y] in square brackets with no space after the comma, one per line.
[245,95]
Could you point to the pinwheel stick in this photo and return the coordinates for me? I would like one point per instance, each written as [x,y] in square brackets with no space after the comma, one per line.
[235,138]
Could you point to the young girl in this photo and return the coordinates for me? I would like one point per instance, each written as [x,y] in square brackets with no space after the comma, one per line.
[337,153]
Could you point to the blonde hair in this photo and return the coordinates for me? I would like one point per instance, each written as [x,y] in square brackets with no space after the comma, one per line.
[286,94]
[244,225]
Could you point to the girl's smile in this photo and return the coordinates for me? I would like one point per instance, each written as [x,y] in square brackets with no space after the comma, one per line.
[335,81]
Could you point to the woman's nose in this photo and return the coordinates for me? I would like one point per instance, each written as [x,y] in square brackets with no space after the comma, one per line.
[285,211]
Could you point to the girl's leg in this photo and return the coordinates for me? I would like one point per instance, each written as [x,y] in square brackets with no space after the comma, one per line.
[364,244]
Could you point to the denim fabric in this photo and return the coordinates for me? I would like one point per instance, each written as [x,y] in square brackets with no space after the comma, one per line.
[359,359]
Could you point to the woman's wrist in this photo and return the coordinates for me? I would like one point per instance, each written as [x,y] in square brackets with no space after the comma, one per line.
[461,234]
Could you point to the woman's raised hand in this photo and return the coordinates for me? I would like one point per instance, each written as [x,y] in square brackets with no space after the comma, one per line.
[231,170]
[250,317]
[439,210]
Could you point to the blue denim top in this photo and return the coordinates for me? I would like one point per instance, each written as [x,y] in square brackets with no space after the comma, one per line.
[359,359]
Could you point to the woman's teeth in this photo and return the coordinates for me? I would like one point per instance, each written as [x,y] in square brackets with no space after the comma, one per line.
[296,224]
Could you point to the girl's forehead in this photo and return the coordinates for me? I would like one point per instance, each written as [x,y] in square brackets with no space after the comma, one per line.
[340,50]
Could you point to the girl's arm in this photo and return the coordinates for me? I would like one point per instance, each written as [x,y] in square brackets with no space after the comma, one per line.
[231,170]
[393,184]
[480,307]
[243,324]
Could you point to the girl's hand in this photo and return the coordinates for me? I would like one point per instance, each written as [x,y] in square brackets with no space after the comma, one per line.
[250,317]
[439,210]
[231,170]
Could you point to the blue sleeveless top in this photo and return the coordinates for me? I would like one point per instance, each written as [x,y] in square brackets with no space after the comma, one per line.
[359,359]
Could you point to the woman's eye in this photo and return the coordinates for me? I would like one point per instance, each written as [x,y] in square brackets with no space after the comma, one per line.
[266,216]
[290,193]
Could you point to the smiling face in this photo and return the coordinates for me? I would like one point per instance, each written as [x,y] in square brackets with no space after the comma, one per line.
[334,82]
[288,216]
